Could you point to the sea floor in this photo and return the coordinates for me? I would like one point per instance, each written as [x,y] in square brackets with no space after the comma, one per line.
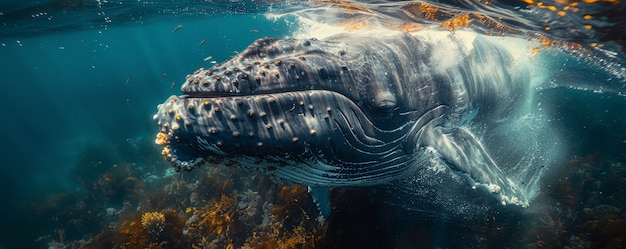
[220,207]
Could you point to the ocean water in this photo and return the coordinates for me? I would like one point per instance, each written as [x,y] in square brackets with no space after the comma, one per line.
[82,79]
[126,70]
[93,92]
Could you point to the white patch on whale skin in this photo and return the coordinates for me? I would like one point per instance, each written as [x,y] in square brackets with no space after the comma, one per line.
[448,49]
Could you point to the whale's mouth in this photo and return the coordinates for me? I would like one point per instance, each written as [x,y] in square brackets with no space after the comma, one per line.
[322,130]
[270,125]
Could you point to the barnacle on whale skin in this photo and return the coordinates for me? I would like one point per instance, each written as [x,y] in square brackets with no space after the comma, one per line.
[161,139]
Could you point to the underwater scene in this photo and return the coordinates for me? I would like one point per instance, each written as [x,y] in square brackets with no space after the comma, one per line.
[313,124]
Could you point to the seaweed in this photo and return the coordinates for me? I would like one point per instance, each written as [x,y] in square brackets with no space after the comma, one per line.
[217,222]
[580,206]
[291,225]
[147,230]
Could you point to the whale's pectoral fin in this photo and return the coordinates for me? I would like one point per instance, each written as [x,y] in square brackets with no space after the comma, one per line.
[464,153]
[321,198]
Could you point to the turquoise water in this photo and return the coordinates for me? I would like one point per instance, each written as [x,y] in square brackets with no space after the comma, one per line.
[74,82]
[72,93]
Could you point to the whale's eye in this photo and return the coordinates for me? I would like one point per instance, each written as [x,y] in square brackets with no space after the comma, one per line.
[384,101]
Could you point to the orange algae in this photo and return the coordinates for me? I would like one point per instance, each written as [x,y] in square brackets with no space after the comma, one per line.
[220,222]
[535,50]
[153,223]
[278,237]
[115,208]
[347,6]
[615,2]
[132,234]
[291,224]
[457,22]
[408,27]
[355,25]
[428,10]
[561,7]
[453,19]
[545,41]
[219,217]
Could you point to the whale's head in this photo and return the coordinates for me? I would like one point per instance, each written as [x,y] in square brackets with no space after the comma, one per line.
[308,111]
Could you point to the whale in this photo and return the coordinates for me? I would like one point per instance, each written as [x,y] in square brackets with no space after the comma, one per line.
[358,110]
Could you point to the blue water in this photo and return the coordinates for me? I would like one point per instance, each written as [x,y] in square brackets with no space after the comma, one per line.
[65,93]
[78,99]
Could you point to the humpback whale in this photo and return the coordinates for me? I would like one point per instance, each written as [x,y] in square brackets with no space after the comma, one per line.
[356,110]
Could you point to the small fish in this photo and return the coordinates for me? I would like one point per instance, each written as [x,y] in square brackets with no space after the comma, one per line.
[202,42]
[180,26]
[208,58]
[128,80]
[254,30]
[173,83]
[214,62]
[163,75]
